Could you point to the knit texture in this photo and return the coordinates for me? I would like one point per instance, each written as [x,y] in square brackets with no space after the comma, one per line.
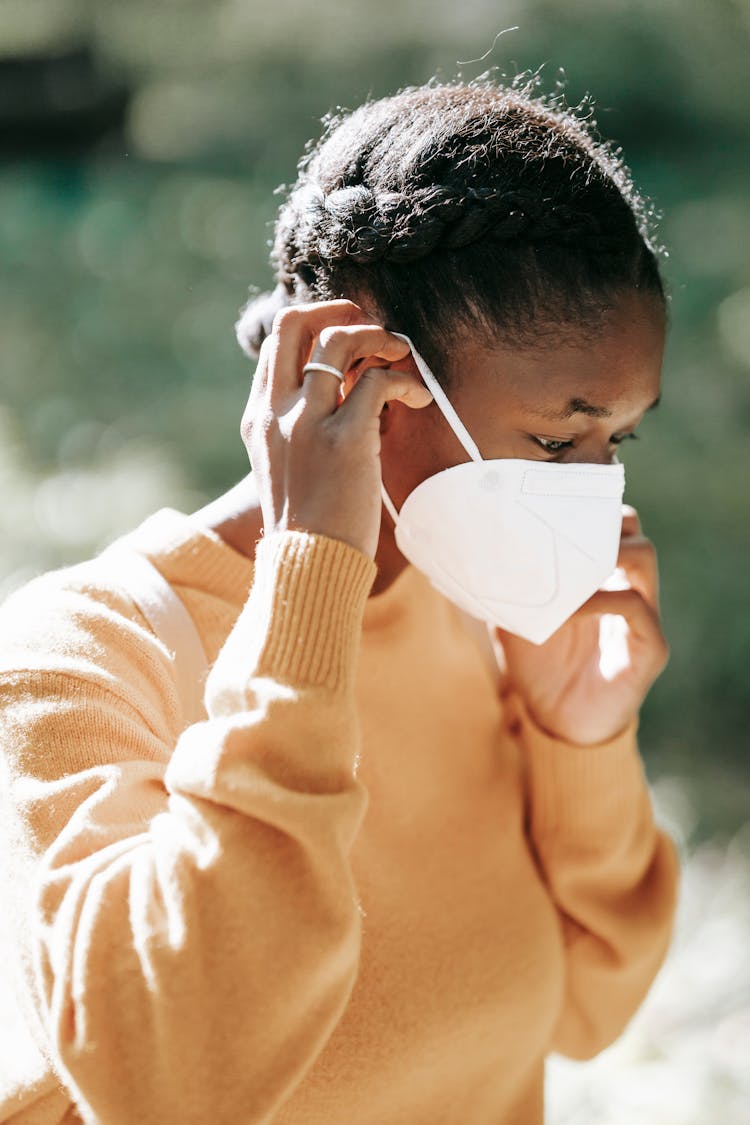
[361,888]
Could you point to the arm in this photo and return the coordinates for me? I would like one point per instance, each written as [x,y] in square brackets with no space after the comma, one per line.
[195,924]
[611,873]
[197,930]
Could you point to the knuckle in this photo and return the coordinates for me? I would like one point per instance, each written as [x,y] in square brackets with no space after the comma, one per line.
[334,336]
[290,314]
[257,423]
[249,417]
[250,438]
[266,423]
[345,312]
[632,601]
[349,309]
[249,423]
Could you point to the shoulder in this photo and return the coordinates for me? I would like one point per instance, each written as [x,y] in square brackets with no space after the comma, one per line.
[76,632]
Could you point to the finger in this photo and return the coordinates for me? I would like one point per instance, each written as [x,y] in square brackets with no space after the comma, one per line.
[631,524]
[254,406]
[322,390]
[260,375]
[375,387]
[642,619]
[637,558]
[294,332]
[340,346]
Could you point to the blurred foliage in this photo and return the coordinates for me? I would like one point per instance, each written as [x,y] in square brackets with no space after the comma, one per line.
[124,258]
[683,1058]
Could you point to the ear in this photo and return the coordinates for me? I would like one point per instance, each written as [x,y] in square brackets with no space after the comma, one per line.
[407,364]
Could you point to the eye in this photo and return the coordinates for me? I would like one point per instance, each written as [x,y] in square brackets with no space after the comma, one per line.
[618,439]
[551,445]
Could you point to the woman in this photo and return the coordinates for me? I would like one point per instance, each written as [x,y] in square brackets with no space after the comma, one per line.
[364,878]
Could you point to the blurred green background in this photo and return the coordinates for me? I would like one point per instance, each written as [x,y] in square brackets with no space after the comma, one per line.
[141,145]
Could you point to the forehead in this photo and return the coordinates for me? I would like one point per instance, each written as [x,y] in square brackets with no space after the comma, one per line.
[612,368]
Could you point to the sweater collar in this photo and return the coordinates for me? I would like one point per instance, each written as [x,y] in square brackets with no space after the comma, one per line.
[192,555]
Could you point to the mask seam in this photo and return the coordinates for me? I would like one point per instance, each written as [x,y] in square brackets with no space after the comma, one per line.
[577,475]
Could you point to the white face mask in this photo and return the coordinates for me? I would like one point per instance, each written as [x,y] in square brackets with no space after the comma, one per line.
[520,544]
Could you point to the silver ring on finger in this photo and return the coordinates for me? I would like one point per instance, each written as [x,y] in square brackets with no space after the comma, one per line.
[325,368]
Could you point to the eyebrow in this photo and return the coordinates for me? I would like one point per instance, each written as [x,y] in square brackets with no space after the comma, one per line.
[581,406]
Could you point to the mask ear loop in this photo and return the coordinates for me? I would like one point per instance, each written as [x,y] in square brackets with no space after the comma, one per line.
[446,409]
[391,507]
[443,402]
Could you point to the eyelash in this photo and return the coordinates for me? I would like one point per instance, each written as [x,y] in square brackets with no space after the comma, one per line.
[547,444]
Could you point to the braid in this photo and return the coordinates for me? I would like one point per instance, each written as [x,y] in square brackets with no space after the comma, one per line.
[455,203]
[351,223]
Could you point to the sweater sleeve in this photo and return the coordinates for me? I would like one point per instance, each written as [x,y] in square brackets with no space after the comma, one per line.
[194,922]
[612,875]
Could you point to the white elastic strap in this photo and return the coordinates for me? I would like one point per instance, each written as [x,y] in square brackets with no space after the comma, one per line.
[169,620]
[444,406]
[388,503]
[443,402]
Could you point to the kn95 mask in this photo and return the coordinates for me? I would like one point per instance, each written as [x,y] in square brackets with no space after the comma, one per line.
[519,544]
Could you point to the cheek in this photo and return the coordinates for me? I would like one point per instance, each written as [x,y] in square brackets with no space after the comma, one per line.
[414,446]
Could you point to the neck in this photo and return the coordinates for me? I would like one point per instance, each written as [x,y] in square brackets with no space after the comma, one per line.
[236,517]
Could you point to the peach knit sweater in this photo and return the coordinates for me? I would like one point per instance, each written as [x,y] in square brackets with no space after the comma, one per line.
[362,888]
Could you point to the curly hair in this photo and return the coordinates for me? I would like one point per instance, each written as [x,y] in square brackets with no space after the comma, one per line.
[462,205]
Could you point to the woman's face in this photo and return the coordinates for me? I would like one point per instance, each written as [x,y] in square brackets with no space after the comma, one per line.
[569,398]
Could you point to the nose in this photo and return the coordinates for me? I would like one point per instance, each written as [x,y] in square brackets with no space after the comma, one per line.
[592,455]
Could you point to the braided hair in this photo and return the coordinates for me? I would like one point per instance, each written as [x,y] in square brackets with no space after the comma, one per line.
[457,206]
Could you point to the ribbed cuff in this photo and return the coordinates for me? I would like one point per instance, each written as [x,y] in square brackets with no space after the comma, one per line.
[315,589]
[581,791]
[302,621]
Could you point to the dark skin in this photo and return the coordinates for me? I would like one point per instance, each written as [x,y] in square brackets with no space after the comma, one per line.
[572,398]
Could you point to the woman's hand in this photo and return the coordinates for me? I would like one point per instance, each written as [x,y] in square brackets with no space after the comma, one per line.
[314,444]
[573,689]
